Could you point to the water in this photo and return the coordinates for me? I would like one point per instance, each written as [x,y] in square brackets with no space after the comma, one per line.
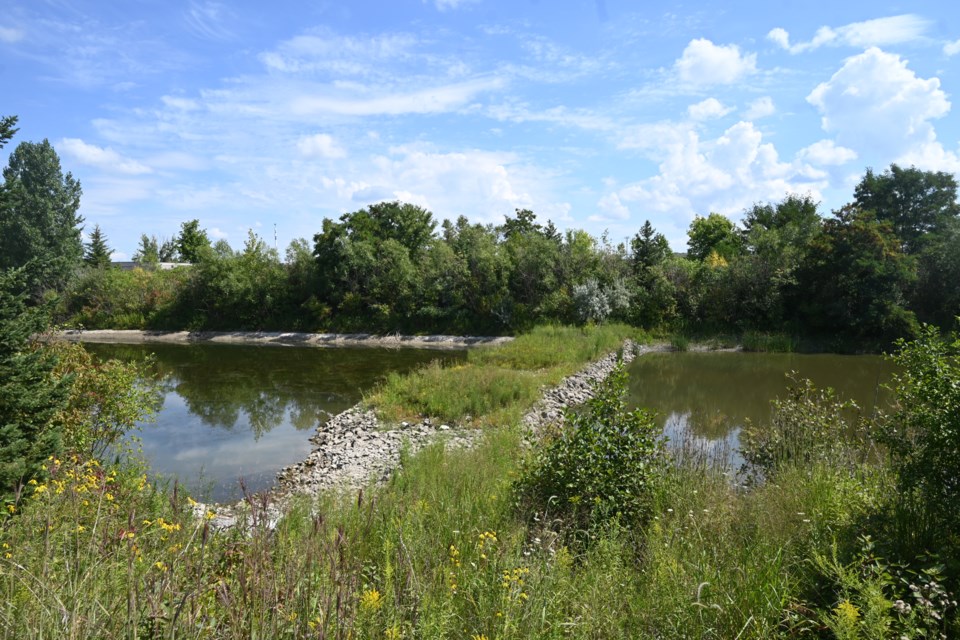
[238,411]
[704,399]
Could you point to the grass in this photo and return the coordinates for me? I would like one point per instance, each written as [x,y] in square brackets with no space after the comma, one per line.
[496,385]
[441,551]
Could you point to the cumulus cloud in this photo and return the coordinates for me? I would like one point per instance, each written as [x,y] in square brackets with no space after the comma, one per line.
[320,145]
[705,63]
[951,48]
[612,208]
[724,174]
[103,158]
[707,109]
[877,32]
[760,108]
[876,104]
[827,152]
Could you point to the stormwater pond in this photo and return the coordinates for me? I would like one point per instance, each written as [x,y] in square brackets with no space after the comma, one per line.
[238,411]
[703,399]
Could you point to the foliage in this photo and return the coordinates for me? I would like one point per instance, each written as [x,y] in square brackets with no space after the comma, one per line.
[147,254]
[107,400]
[193,244]
[39,225]
[915,202]
[7,129]
[808,426]
[854,280]
[649,248]
[31,394]
[715,233]
[97,253]
[922,435]
[602,467]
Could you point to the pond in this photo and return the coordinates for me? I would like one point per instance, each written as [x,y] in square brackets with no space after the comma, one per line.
[703,399]
[239,411]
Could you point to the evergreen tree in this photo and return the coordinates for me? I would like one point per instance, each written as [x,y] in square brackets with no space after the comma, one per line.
[97,253]
[39,225]
[7,129]
[649,248]
[30,395]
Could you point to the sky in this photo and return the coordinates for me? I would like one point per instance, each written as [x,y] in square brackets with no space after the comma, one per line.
[595,114]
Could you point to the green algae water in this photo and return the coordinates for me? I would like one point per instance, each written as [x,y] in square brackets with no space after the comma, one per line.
[235,414]
[702,400]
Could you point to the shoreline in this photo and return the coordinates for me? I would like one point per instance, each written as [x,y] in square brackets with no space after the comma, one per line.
[276,338]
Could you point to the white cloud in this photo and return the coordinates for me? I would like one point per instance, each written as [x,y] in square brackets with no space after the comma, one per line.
[101,157]
[320,145]
[951,48]
[323,50]
[707,109]
[869,33]
[724,175]
[437,99]
[10,34]
[827,152]
[446,5]
[209,20]
[877,106]
[217,234]
[779,36]
[181,104]
[760,108]
[704,63]
[613,209]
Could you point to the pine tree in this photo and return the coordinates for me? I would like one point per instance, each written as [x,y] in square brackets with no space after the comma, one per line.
[30,396]
[97,253]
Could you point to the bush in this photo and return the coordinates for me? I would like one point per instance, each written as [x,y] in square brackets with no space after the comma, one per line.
[600,469]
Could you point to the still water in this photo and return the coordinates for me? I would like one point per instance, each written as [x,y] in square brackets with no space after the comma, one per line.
[704,399]
[238,411]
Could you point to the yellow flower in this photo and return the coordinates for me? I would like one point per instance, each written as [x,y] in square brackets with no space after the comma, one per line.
[81,528]
[191,501]
[371,600]
[847,611]
[11,508]
[160,565]
[478,636]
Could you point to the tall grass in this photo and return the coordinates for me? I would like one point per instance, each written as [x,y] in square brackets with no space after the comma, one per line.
[496,385]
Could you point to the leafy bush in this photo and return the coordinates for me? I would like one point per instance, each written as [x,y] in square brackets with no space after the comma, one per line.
[809,425]
[923,435]
[601,468]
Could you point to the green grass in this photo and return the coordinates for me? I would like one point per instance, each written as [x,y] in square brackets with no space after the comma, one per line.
[496,385]
[768,342]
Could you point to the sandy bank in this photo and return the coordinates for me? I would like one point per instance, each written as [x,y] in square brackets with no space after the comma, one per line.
[277,338]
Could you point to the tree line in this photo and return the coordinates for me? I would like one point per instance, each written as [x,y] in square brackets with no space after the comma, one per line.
[869,272]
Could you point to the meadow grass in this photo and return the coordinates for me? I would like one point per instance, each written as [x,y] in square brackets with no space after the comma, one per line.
[496,385]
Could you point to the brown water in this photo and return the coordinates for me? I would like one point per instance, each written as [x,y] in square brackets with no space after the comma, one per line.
[239,411]
[704,399]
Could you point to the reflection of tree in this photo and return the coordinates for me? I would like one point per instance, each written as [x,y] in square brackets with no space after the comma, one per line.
[720,391]
[222,383]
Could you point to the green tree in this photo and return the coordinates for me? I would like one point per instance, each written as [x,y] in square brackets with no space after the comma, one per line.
[854,280]
[713,234]
[39,225]
[7,129]
[30,395]
[915,202]
[148,253]
[936,297]
[97,253]
[649,248]
[193,244]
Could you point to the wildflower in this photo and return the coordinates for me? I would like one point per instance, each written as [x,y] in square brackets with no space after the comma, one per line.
[393,633]
[478,636]
[162,566]
[371,600]
[847,612]
[81,528]
[11,508]
[192,502]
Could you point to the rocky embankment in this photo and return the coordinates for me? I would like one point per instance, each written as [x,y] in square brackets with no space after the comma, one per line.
[277,338]
[354,447]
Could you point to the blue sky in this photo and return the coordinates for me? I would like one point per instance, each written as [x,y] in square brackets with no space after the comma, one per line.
[597,114]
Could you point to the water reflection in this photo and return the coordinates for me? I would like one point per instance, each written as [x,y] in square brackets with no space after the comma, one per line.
[232,411]
[704,399]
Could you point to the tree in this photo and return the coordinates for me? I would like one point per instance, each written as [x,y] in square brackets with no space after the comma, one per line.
[854,280]
[649,247]
[30,395]
[7,129]
[915,202]
[715,233]
[97,253]
[148,253]
[39,225]
[193,245]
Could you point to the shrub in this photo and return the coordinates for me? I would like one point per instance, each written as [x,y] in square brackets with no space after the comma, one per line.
[601,468]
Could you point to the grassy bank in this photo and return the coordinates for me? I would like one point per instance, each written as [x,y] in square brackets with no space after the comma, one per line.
[495,386]
[442,551]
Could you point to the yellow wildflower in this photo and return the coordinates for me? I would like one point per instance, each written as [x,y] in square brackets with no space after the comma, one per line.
[371,600]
